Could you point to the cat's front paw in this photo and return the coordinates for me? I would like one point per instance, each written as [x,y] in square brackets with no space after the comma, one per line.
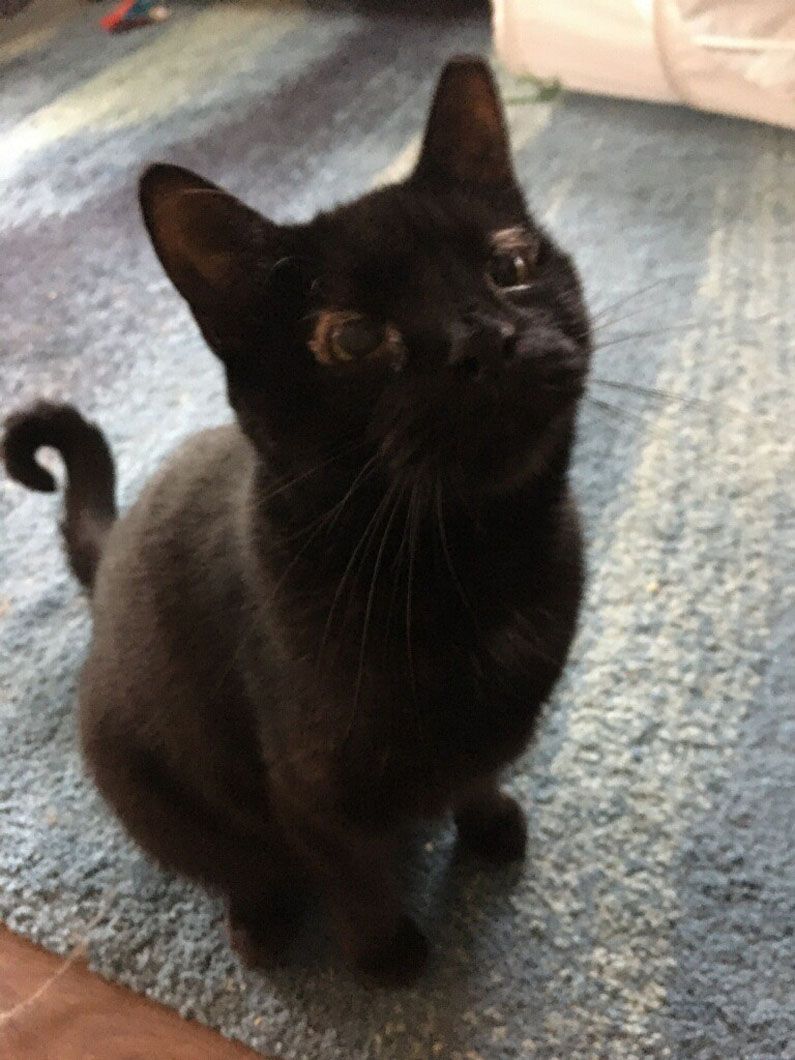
[494,829]
[260,935]
[252,948]
[397,960]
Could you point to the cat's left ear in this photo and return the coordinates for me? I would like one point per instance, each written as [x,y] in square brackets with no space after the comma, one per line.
[219,254]
[466,140]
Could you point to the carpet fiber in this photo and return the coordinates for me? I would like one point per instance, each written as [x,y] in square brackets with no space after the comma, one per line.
[654,914]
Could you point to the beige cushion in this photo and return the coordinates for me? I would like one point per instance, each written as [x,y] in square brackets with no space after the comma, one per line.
[731,56]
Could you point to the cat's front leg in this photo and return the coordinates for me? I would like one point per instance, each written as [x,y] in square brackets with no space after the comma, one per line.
[490,823]
[262,916]
[355,870]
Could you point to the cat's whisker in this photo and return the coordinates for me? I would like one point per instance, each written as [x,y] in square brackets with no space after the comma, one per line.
[396,491]
[662,329]
[364,476]
[294,562]
[599,314]
[616,410]
[363,541]
[360,568]
[399,492]
[598,343]
[446,551]
[609,417]
[285,483]
[414,512]
[650,392]
[600,326]
[397,566]
[367,472]
[329,519]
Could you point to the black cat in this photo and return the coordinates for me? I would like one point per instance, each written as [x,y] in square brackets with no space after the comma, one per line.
[342,613]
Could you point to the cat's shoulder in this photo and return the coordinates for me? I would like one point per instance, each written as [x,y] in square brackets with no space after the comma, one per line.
[197,488]
[207,462]
[215,448]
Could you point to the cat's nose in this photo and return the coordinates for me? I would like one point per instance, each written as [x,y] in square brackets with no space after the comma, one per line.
[485,351]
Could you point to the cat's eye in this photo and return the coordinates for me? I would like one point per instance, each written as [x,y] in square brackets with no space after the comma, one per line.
[354,339]
[510,268]
[344,337]
[514,253]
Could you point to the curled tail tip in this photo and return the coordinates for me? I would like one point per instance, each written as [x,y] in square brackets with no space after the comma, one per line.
[25,432]
[90,504]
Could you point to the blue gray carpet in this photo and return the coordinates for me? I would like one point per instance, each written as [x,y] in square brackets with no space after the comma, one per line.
[654,915]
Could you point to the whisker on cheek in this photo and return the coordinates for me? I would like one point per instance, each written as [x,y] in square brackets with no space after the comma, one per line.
[653,393]
[617,411]
[597,316]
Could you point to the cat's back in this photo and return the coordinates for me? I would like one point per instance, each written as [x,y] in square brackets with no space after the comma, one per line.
[178,544]
[160,692]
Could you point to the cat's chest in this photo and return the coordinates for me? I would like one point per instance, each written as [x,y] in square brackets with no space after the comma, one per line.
[469,715]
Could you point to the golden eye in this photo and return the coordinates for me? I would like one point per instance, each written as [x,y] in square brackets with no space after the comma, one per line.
[354,339]
[509,268]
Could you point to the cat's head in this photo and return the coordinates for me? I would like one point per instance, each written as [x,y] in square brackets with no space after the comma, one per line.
[433,318]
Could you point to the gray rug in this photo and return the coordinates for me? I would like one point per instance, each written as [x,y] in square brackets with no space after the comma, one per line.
[654,915]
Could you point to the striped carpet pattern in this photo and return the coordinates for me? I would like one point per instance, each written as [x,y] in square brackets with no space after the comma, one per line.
[654,915]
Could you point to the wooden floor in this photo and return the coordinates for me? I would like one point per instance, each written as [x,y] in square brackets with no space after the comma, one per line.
[81,1017]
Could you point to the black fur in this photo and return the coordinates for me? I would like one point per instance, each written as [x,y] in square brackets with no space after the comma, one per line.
[90,484]
[344,612]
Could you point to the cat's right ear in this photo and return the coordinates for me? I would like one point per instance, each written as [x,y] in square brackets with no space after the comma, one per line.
[466,140]
[219,254]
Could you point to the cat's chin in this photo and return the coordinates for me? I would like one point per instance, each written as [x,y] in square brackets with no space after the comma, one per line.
[528,465]
[503,468]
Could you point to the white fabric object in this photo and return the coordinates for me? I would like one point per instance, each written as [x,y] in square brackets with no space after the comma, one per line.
[732,56]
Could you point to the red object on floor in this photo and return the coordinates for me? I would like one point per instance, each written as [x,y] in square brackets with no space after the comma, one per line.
[130,14]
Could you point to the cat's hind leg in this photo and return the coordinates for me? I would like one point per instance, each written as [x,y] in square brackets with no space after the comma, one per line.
[261,882]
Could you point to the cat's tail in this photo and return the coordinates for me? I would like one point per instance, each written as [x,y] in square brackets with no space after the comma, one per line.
[90,503]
